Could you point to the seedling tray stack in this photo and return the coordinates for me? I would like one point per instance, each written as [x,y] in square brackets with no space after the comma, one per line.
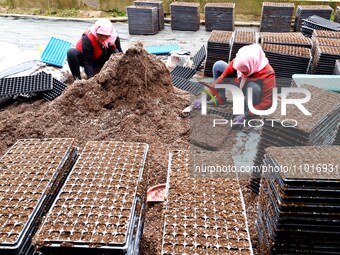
[305,11]
[286,61]
[324,59]
[326,34]
[203,215]
[219,16]
[276,17]
[316,130]
[185,16]
[218,48]
[98,210]
[160,10]
[298,209]
[240,39]
[290,39]
[32,172]
[317,23]
[143,20]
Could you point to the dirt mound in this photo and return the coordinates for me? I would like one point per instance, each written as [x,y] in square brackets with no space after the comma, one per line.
[131,99]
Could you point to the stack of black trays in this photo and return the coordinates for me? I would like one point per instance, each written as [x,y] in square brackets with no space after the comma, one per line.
[298,209]
[286,61]
[143,20]
[317,23]
[160,10]
[219,16]
[218,48]
[305,11]
[324,59]
[276,17]
[319,128]
[185,16]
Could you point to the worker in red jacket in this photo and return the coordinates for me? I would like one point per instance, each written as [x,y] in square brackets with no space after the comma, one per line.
[249,69]
[94,48]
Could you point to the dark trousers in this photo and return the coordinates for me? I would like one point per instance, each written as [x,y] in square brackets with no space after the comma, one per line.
[75,59]
[257,91]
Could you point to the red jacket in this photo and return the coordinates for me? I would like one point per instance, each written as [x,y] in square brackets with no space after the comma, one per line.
[265,78]
[97,49]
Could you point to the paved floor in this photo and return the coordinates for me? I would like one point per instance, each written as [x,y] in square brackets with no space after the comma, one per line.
[29,34]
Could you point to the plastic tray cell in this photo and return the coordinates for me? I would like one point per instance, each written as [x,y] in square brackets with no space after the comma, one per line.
[162,49]
[25,84]
[98,210]
[55,52]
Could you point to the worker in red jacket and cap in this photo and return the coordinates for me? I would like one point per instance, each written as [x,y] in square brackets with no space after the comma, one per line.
[94,48]
[249,69]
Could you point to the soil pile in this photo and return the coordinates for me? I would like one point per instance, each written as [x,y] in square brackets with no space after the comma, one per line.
[131,99]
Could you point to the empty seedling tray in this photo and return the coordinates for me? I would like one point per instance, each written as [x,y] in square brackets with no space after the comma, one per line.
[25,84]
[55,52]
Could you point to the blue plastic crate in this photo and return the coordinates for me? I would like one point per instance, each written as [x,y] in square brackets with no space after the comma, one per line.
[55,52]
[162,49]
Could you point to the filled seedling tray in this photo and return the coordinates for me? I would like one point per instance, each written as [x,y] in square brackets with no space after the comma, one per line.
[203,215]
[31,172]
[98,210]
[326,34]
[289,39]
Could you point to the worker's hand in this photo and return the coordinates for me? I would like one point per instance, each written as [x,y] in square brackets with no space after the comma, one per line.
[239,120]
[197,104]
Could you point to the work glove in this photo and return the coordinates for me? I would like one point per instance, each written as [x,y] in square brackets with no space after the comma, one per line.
[239,120]
[197,104]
